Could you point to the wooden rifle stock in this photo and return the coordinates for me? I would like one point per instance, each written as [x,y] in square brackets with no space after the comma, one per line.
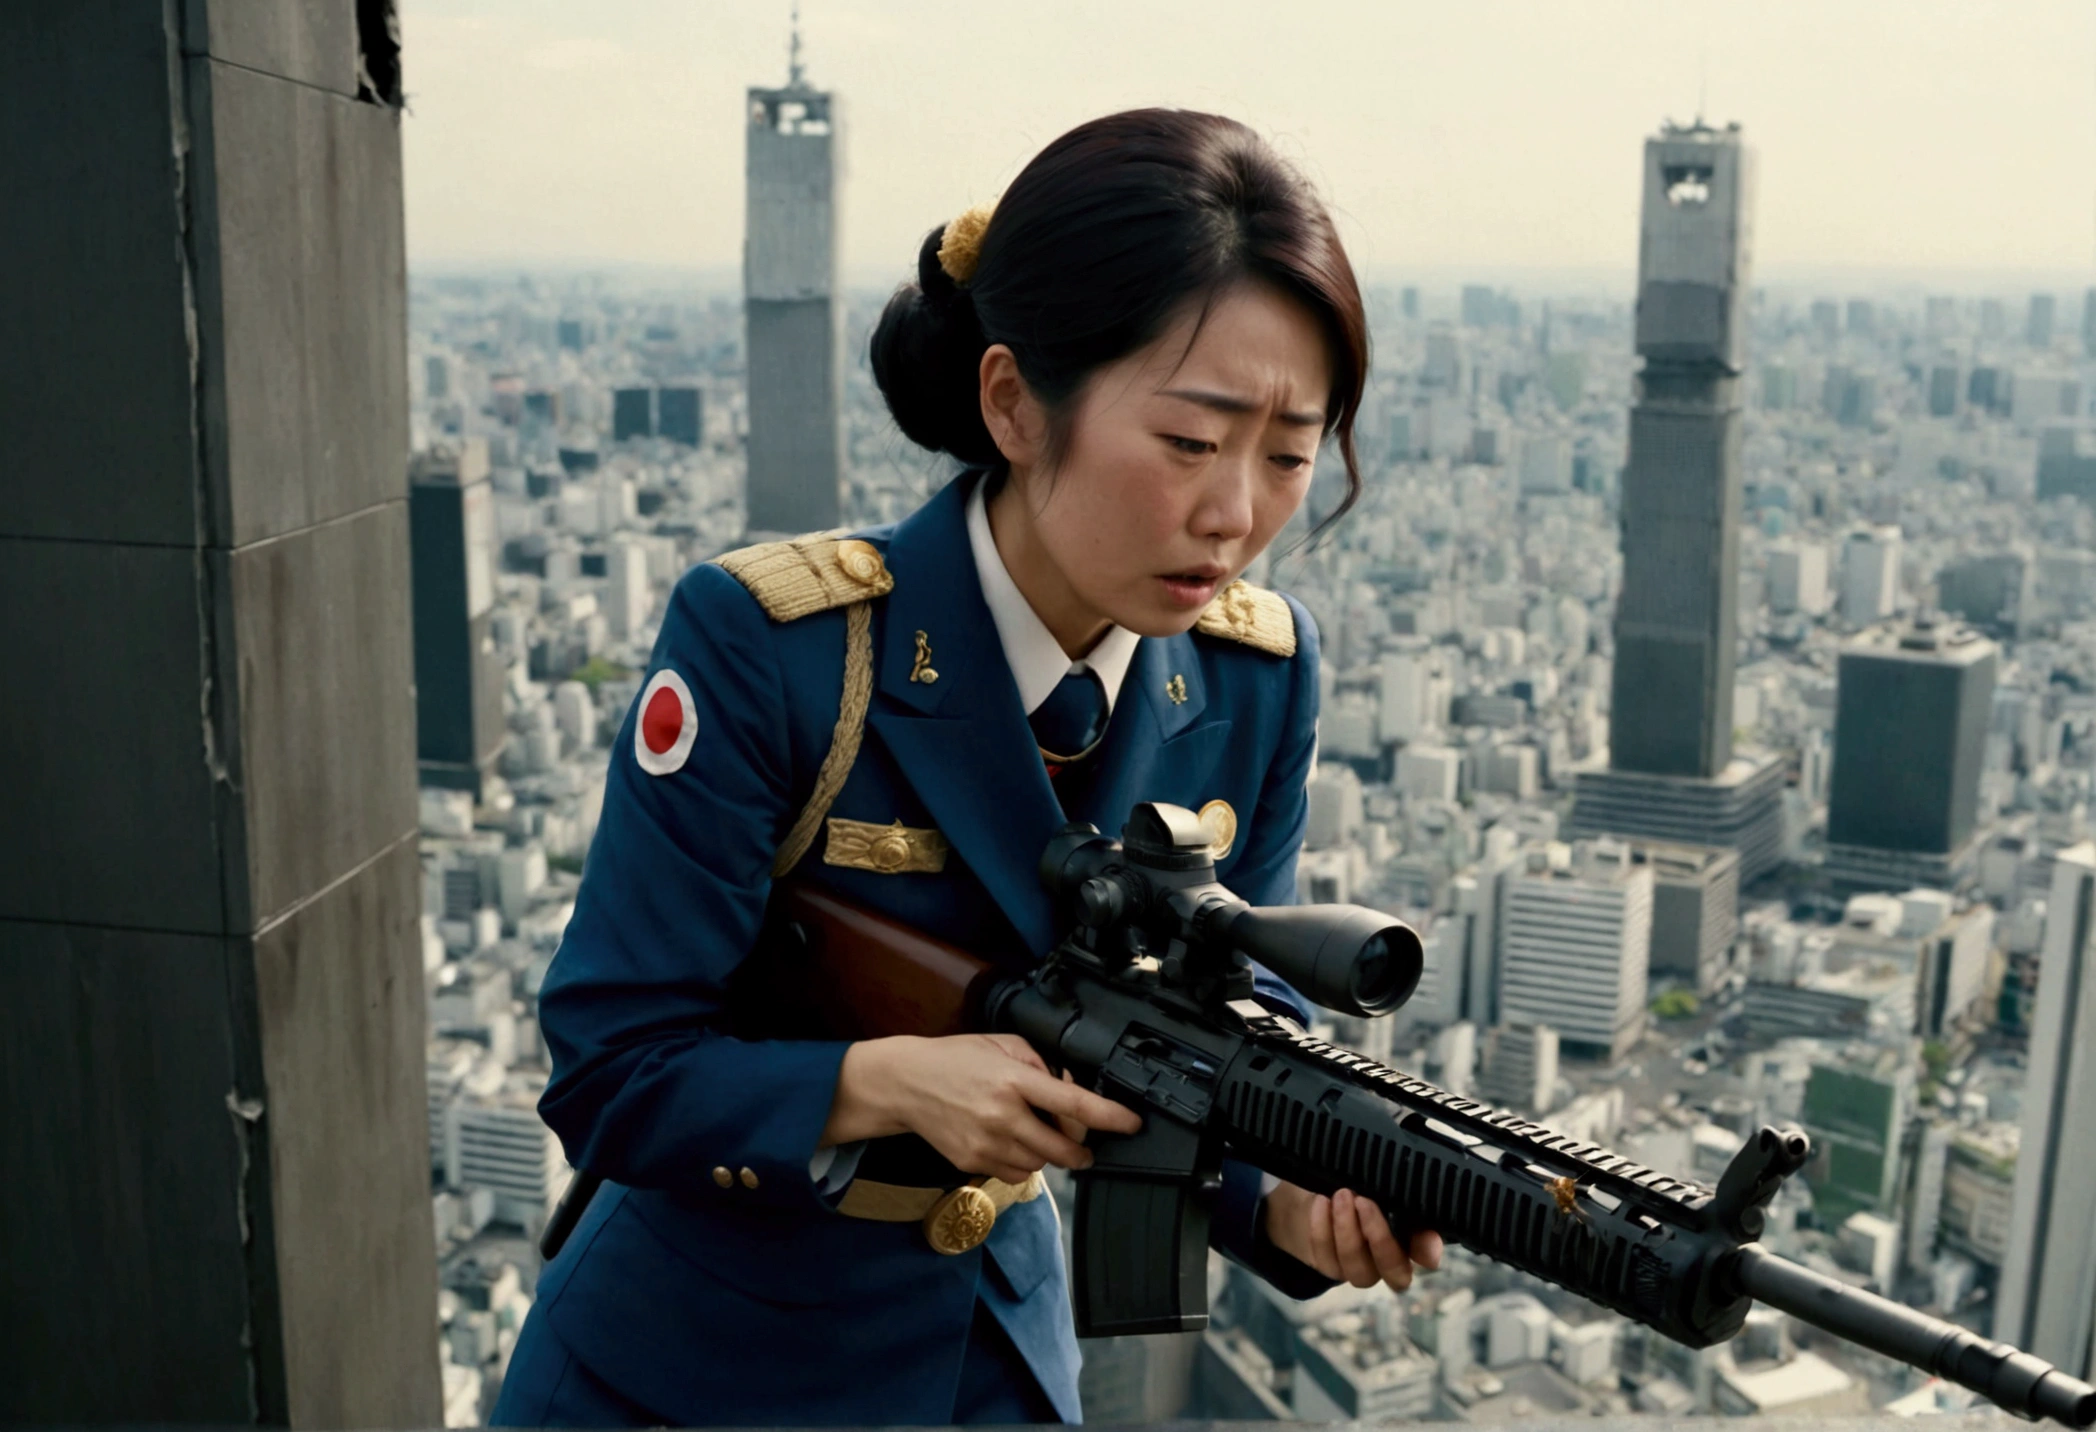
[831,969]
[863,975]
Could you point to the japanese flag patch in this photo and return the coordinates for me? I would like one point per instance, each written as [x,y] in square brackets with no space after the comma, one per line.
[668,724]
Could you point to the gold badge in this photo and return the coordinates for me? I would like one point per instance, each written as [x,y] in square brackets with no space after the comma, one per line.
[1176,690]
[960,1220]
[894,849]
[921,668]
[1221,824]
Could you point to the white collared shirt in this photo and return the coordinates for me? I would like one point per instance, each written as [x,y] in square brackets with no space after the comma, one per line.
[1037,659]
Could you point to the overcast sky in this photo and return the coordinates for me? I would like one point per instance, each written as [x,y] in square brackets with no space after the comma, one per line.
[1483,137]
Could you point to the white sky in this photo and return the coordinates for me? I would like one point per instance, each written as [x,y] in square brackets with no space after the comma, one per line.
[1466,137]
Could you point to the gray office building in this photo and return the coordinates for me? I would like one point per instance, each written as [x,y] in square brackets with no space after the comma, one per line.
[1994,590]
[1695,912]
[679,416]
[2037,324]
[458,677]
[2047,1298]
[790,303]
[632,413]
[1910,732]
[1673,773]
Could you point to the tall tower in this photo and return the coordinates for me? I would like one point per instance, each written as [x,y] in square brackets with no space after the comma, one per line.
[458,678]
[1676,623]
[1673,773]
[789,280]
[2047,1300]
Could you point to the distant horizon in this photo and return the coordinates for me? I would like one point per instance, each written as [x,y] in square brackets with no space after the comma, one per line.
[1830,280]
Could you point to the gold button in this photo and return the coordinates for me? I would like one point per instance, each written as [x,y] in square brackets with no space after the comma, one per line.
[890,850]
[860,562]
[960,1221]
[749,1178]
[722,1177]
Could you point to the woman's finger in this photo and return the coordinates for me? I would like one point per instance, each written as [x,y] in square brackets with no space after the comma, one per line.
[1015,1047]
[1323,1255]
[1050,1144]
[1072,1102]
[1354,1263]
[1392,1263]
[1426,1249]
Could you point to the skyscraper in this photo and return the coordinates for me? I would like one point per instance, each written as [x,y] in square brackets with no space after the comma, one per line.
[1673,773]
[789,272]
[1675,621]
[2047,1298]
[1910,732]
[679,416]
[632,413]
[1870,563]
[458,679]
[2037,322]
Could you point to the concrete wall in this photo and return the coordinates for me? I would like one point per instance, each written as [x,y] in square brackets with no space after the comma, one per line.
[211,1019]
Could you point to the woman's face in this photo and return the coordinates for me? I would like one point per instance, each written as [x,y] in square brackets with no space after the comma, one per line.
[1184,459]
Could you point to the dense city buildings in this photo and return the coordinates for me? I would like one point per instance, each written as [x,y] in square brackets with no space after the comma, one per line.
[1658,960]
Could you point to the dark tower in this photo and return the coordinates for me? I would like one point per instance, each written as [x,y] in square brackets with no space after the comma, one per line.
[458,680]
[632,413]
[1676,627]
[680,417]
[789,271]
[1673,773]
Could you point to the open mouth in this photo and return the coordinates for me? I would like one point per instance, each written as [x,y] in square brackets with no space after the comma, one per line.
[1195,588]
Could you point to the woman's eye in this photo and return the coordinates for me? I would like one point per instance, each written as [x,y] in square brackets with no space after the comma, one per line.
[1291,461]
[1195,447]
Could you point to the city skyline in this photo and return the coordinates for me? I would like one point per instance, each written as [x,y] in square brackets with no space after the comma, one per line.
[390,514]
[1489,159]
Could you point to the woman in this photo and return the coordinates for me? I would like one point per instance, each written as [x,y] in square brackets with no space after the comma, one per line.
[1137,357]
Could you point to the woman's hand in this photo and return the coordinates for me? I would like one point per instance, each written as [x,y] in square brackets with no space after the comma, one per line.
[973,1098]
[1346,1237]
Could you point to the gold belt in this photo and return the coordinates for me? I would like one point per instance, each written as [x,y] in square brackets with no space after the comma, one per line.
[954,1219]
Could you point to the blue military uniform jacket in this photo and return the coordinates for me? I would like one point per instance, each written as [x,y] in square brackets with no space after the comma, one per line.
[711,1280]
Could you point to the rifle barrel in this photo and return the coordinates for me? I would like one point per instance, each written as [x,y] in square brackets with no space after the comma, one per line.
[2026,1385]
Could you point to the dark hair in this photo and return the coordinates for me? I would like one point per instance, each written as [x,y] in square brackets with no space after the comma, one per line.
[1091,253]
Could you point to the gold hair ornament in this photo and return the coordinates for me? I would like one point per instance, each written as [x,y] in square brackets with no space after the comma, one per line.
[960,247]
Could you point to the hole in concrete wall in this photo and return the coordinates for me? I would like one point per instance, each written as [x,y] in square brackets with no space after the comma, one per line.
[378,52]
[1687,183]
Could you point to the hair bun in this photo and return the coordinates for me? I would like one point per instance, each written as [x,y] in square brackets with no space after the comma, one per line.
[927,356]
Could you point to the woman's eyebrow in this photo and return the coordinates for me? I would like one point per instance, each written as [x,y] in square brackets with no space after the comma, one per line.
[1226,403]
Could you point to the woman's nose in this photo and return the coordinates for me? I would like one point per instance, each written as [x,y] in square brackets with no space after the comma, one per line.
[1225,510]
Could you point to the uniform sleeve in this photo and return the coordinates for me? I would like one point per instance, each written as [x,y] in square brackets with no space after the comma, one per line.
[1265,875]
[648,1087]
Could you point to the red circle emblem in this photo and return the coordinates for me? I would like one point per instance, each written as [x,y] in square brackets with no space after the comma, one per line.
[663,721]
[667,725]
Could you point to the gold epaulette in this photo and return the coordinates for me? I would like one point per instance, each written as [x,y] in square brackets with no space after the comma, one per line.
[1252,615]
[810,574]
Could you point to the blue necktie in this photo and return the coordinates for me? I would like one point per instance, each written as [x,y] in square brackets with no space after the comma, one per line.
[1069,725]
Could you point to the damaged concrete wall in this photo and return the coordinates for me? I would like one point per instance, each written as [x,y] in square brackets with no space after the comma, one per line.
[212,1112]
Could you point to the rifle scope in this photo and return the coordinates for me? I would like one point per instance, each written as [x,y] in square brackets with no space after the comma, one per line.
[1154,892]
